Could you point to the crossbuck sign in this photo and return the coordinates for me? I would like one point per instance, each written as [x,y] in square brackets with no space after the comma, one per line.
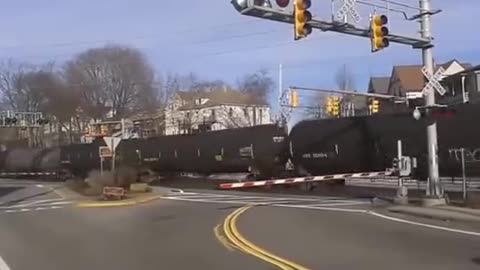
[433,81]
[348,7]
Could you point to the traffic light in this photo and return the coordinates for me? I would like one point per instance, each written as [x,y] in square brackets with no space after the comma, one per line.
[378,32]
[336,106]
[302,17]
[375,106]
[294,98]
[330,105]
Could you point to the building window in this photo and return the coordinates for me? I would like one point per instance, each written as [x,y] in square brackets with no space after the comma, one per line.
[260,115]
[188,115]
[213,113]
[245,112]
[230,112]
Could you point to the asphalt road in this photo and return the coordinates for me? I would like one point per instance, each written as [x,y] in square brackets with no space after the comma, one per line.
[40,230]
[161,235]
[339,240]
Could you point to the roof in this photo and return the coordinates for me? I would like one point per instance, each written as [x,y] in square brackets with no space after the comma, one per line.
[219,97]
[466,71]
[379,85]
[411,76]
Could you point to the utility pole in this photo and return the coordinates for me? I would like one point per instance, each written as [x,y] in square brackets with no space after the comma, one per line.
[434,190]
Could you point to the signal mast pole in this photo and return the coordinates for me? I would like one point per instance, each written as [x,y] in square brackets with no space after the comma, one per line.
[434,189]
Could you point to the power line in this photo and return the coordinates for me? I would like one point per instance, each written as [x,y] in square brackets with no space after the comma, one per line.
[177,33]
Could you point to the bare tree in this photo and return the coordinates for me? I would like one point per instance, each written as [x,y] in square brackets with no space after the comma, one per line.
[113,76]
[20,84]
[259,84]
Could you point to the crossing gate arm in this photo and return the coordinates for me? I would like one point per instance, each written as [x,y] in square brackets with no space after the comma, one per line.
[289,181]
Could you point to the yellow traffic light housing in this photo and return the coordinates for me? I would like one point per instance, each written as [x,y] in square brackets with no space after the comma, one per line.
[375,106]
[330,105]
[378,32]
[336,106]
[302,17]
[294,98]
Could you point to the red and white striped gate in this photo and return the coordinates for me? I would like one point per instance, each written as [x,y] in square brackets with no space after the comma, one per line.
[289,181]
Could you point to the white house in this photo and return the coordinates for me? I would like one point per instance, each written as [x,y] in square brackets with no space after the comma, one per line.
[217,109]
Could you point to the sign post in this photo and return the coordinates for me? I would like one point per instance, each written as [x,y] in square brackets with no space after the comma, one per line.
[104,152]
[112,143]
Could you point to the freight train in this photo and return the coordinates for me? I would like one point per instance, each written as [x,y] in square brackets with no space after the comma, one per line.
[313,147]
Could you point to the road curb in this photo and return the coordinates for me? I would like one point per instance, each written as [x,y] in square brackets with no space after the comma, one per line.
[435,213]
[129,202]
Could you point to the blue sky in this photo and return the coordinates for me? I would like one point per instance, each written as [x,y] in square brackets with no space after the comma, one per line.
[212,40]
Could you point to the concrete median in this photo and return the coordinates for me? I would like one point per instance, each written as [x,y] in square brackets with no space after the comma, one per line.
[156,193]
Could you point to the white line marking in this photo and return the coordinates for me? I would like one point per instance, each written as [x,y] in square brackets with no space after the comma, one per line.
[323,208]
[3,264]
[40,186]
[336,204]
[42,201]
[56,207]
[423,224]
[10,211]
[32,204]
[24,210]
[40,208]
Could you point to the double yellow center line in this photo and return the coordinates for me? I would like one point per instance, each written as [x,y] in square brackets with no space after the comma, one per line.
[238,241]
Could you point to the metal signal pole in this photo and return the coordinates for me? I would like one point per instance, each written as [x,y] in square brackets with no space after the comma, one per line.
[433,171]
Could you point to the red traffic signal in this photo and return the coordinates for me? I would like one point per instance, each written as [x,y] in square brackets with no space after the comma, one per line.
[282,3]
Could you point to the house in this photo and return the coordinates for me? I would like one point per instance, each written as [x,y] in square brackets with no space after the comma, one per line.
[408,78]
[378,85]
[462,86]
[150,123]
[216,109]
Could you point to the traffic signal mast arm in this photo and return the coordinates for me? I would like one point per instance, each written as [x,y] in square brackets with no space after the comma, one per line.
[345,28]
[381,96]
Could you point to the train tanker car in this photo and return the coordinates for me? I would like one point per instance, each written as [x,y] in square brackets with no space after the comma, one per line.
[369,143]
[328,146]
[80,159]
[31,160]
[260,149]
[461,130]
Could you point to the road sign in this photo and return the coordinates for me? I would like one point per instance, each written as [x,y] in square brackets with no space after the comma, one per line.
[104,151]
[116,192]
[433,81]
[348,7]
[413,95]
[112,142]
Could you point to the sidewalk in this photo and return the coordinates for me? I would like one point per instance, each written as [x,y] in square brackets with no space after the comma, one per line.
[440,212]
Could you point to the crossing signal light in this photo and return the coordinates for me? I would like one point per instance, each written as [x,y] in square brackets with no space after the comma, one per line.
[378,32]
[375,106]
[302,18]
[42,121]
[294,98]
[436,113]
